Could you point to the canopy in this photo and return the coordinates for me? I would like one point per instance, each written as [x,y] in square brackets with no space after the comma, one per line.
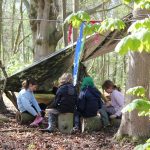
[47,70]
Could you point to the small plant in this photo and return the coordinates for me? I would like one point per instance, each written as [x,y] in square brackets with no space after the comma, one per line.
[31,146]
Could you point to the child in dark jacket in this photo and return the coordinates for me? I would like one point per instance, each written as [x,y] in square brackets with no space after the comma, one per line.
[66,97]
[89,102]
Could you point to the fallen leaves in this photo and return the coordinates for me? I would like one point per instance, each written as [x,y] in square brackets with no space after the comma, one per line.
[20,137]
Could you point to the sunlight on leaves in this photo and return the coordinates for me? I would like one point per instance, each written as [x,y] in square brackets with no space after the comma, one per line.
[145,146]
[111,24]
[77,18]
[137,91]
[145,23]
[137,41]
[142,105]
[128,43]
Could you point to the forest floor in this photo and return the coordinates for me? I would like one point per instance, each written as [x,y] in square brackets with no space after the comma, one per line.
[19,137]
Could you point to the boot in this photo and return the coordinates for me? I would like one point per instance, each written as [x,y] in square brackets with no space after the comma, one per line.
[51,123]
[37,120]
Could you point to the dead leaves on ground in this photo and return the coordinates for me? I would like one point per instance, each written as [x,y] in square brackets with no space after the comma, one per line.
[22,138]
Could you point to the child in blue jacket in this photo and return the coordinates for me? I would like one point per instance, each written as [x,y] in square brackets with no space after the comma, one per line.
[26,101]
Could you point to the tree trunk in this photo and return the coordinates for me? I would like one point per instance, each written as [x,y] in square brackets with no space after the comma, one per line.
[115,68]
[1,31]
[132,124]
[15,48]
[12,26]
[2,105]
[65,41]
[47,30]
[108,66]
[44,31]
[138,75]
[3,108]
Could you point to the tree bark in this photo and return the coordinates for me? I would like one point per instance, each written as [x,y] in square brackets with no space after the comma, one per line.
[15,48]
[1,31]
[138,75]
[12,26]
[2,105]
[45,32]
[115,68]
[65,41]
[132,124]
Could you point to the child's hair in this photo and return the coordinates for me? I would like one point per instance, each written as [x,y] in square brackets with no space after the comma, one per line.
[25,83]
[65,78]
[108,83]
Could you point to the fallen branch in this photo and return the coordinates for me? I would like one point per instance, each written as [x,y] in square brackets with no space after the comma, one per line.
[18,130]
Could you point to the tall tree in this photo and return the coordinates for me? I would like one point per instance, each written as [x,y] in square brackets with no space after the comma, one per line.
[2,105]
[44,30]
[138,74]
[12,26]
[63,2]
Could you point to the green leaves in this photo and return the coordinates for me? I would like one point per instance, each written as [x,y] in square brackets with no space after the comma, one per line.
[83,16]
[142,105]
[137,91]
[145,146]
[108,24]
[77,18]
[111,24]
[128,43]
[144,5]
[91,29]
[139,40]
[145,23]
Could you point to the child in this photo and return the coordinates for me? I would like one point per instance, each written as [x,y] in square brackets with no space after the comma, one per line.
[26,101]
[116,104]
[89,103]
[66,97]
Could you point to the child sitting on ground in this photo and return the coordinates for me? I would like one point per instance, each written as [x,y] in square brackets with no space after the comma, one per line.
[27,103]
[116,104]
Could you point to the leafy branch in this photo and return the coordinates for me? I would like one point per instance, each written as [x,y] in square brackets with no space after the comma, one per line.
[138,40]
[141,104]
[98,27]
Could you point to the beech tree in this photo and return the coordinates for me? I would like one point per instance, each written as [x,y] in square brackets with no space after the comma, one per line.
[46,34]
[137,45]
[138,75]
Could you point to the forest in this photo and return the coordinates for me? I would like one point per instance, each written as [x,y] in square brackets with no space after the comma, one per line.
[96,39]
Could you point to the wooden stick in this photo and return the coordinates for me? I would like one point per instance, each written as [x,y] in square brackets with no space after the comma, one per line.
[18,130]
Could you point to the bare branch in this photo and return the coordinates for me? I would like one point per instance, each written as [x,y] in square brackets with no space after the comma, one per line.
[24,39]
[93,10]
[109,8]
[26,3]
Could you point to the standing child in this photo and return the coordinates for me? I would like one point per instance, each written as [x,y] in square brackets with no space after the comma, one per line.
[116,104]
